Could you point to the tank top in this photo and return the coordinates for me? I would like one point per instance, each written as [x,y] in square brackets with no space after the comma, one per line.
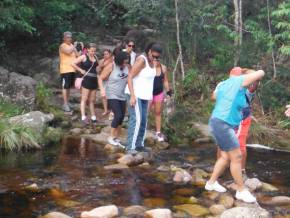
[87,65]
[143,82]
[158,83]
[116,83]
[65,60]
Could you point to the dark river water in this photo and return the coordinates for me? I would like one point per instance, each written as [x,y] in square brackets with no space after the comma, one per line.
[71,178]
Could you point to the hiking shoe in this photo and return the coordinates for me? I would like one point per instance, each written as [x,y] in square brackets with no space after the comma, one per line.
[66,108]
[214,187]
[159,137]
[86,121]
[94,122]
[112,141]
[245,196]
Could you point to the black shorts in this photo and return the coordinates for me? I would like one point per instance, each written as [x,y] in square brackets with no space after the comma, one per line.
[67,80]
[90,83]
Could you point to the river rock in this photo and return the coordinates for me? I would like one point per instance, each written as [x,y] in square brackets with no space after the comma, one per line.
[17,88]
[35,120]
[199,177]
[154,202]
[182,176]
[134,210]
[193,209]
[158,213]
[244,212]
[55,215]
[211,195]
[116,167]
[109,211]
[112,148]
[127,159]
[226,200]
[274,201]
[269,188]
[217,209]
[184,200]
[76,131]
[253,184]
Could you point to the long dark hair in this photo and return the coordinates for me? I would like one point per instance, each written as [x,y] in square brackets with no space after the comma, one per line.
[153,46]
[120,57]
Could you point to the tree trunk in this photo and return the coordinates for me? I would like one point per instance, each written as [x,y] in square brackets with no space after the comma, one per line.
[238,29]
[272,48]
[178,40]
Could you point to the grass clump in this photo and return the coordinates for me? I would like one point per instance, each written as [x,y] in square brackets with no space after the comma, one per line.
[17,137]
[9,110]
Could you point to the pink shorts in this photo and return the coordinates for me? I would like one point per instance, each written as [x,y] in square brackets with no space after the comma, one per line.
[158,98]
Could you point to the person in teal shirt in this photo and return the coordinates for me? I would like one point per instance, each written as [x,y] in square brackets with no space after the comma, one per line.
[226,116]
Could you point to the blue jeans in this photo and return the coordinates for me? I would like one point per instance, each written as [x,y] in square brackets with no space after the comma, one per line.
[137,123]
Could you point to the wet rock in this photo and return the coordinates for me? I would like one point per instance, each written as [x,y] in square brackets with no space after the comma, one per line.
[134,210]
[253,184]
[146,156]
[226,200]
[239,203]
[184,200]
[158,213]
[76,131]
[154,202]
[127,159]
[283,216]
[35,120]
[211,195]
[33,188]
[180,214]
[268,187]
[163,168]
[67,203]
[55,215]
[56,193]
[199,177]
[184,192]
[203,140]
[112,148]
[193,209]
[182,177]
[17,88]
[217,209]
[245,212]
[101,212]
[274,201]
[116,167]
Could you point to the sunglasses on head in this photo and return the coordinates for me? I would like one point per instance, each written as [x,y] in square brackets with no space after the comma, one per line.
[131,46]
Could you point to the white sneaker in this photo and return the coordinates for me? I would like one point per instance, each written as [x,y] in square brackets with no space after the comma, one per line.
[119,143]
[245,196]
[215,187]
[112,141]
[159,136]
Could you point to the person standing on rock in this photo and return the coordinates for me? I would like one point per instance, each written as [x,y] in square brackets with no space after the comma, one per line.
[115,74]
[67,55]
[160,82]
[129,48]
[226,116]
[139,92]
[242,130]
[87,66]
[107,59]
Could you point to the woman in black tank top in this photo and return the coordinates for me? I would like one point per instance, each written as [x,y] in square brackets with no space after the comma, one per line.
[88,68]
[160,81]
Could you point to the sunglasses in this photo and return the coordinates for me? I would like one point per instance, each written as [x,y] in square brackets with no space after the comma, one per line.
[131,46]
[155,57]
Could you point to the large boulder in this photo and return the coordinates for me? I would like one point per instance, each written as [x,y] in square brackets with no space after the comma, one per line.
[17,88]
[245,212]
[35,120]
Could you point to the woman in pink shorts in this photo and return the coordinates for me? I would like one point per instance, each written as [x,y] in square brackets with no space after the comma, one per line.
[160,82]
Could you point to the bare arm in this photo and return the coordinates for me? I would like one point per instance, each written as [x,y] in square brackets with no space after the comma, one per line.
[252,77]
[104,76]
[166,81]
[78,61]
[136,68]
[68,49]
[101,65]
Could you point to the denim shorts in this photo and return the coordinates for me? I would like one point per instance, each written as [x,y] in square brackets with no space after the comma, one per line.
[224,134]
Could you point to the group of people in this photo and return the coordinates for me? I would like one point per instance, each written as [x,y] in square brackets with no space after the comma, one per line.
[136,83]
[128,83]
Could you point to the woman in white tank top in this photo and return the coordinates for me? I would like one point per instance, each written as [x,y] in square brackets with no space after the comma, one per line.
[139,93]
